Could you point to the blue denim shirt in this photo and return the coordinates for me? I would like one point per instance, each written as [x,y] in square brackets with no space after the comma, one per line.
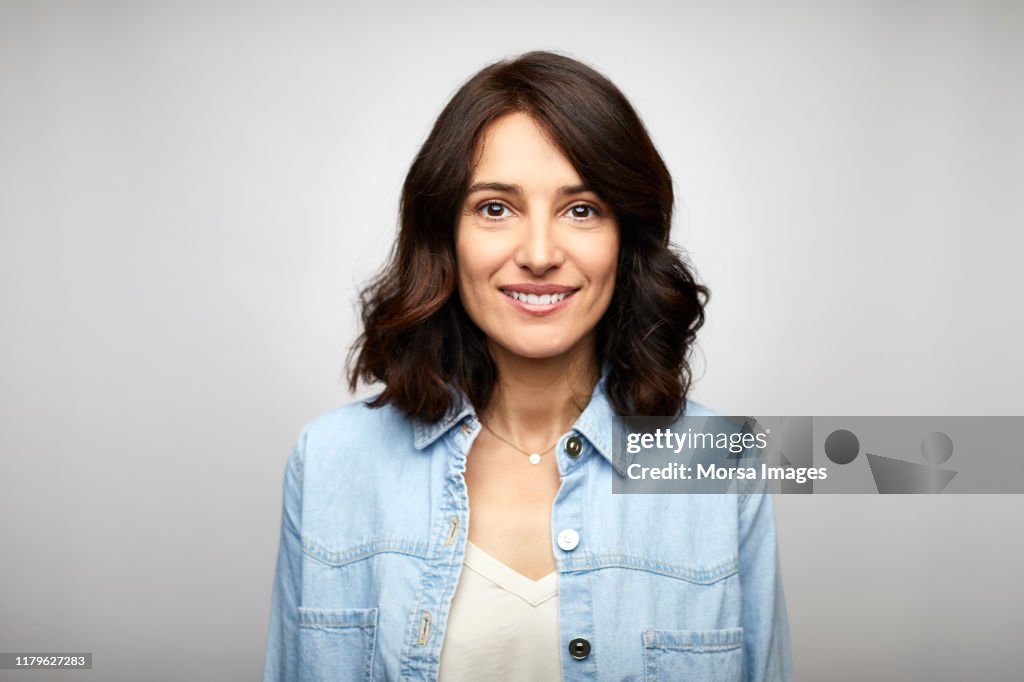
[651,587]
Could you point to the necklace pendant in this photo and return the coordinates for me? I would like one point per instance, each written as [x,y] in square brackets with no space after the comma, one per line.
[535,458]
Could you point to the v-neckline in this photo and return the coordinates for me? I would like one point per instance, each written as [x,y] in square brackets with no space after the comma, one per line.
[534,592]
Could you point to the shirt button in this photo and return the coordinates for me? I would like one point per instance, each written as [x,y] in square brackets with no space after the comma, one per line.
[568,539]
[573,446]
[579,648]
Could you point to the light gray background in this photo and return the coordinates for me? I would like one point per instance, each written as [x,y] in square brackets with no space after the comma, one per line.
[191,192]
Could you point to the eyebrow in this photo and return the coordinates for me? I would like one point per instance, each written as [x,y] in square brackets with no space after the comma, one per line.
[517,189]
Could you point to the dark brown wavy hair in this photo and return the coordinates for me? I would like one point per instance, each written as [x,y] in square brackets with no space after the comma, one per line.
[417,338]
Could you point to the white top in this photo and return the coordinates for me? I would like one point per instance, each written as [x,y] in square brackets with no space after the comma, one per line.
[502,626]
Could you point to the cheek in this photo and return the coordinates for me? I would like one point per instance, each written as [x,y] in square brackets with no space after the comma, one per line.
[601,260]
[466,254]
[475,262]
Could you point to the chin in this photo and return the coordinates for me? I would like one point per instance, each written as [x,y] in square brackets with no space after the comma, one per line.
[540,350]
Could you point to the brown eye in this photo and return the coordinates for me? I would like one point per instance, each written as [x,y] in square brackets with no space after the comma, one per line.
[493,210]
[582,212]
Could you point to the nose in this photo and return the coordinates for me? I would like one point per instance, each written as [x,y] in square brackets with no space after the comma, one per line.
[539,249]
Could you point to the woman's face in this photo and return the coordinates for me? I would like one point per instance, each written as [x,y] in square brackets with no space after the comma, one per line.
[536,249]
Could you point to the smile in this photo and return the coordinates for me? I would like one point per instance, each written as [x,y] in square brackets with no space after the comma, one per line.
[534,299]
[539,305]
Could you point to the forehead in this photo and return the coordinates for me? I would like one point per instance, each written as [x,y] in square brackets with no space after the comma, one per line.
[515,146]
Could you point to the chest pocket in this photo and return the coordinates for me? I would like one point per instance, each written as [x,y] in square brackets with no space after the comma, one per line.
[706,655]
[336,644]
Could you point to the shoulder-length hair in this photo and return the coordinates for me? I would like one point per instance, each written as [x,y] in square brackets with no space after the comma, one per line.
[417,338]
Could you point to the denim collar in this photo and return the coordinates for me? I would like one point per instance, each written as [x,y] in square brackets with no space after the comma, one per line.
[594,424]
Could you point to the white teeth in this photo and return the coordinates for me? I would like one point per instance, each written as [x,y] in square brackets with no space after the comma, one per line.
[533,299]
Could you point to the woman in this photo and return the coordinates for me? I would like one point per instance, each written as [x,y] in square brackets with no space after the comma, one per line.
[532,295]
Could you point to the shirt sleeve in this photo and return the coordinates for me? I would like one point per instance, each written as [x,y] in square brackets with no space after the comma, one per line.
[282,654]
[767,655]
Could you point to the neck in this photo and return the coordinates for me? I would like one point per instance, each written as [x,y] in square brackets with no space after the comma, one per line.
[536,400]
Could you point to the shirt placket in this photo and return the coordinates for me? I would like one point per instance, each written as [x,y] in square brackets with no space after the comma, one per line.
[429,616]
[570,541]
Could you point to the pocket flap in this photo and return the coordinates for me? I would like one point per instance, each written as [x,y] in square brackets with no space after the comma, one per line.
[311,617]
[694,640]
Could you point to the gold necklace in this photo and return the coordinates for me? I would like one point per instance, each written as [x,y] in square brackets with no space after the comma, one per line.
[534,457]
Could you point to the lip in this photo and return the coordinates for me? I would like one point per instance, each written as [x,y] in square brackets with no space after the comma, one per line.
[538,310]
[538,289]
